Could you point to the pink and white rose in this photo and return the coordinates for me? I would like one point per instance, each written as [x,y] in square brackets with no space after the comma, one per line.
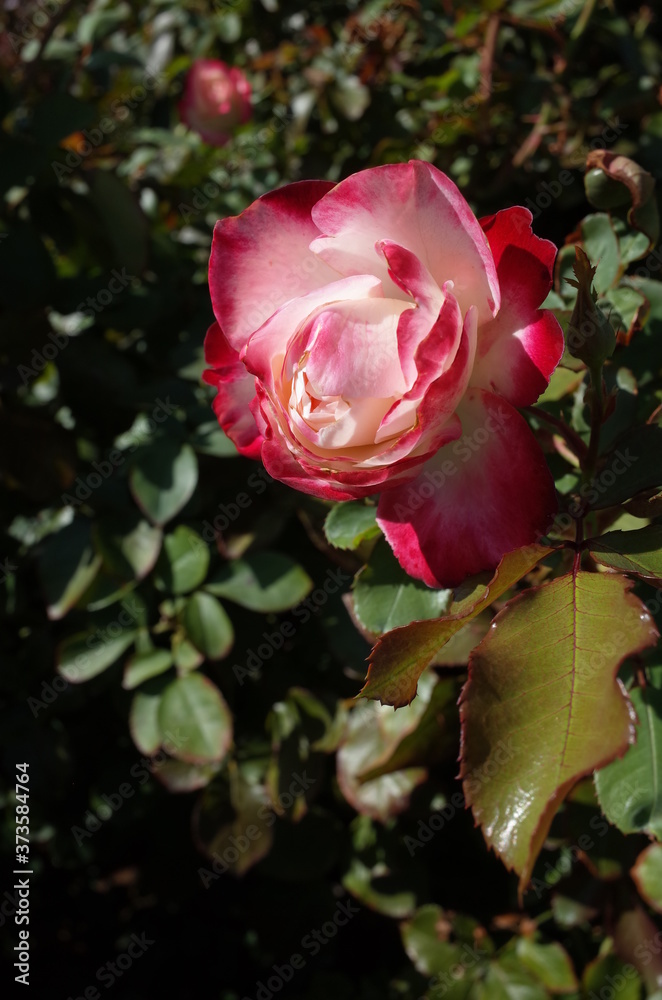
[374,337]
[216,99]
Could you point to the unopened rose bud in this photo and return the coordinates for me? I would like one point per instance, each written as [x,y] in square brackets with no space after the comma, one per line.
[216,100]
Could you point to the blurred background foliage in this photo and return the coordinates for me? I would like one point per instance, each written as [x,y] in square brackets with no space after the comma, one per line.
[180,648]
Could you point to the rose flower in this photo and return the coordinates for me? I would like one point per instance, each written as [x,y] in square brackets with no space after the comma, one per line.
[374,337]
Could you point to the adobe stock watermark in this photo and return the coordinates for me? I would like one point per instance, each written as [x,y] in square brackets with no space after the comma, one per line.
[85,485]
[549,191]
[445,981]
[30,27]
[95,136]
[142,771]
[50,690]
[266,817]
[503,752]
[276,639]
[312,943]
[108,974]
[228,512]
[463,450]
[453,116]
[589,493]
[88,308]
[248,147]
[585,842]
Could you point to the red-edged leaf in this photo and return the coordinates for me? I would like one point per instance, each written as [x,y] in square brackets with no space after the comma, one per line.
[400,657]
[543,683]
[647,876]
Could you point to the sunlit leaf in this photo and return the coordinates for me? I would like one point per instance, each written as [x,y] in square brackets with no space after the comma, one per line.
[184,561]
[86,654]
[538,683]
[261,581]
[142,666]
[385,597]
[129,544]
[144,717]
[400,657]
[548,962]
[195,720]
[630,789]
[207,625]
[349,524]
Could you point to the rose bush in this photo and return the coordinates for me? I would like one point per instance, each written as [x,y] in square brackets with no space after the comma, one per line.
[374,337]
[216,99]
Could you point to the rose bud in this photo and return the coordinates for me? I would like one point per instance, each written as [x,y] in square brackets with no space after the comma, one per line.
[216,100]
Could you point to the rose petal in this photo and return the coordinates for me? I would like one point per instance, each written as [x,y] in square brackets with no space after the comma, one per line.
[430,361]
[280,343]
[419,208]
[521,347]
[354,349]
[236,392]
[486,494]
[260,259]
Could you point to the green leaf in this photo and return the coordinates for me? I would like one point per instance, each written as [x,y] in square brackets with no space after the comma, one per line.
[142,666]
[601,246]
[638,552]
[207,625]
[372,734]
[183,562]
[186,656]
[400,657]
[600,975]
[194,717]
[542,690]
[630,308]
[548,962]
[104,591]
[179,777]
[424,941]
[647,875]
[128,544]
[95,25]
[385,597]
[426,742]
[85,654]
[67,566]
[227,812]
[261,581]
[507,978]
[163,478]
[144,717]
[630,789]
[365,884]
[349,524]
